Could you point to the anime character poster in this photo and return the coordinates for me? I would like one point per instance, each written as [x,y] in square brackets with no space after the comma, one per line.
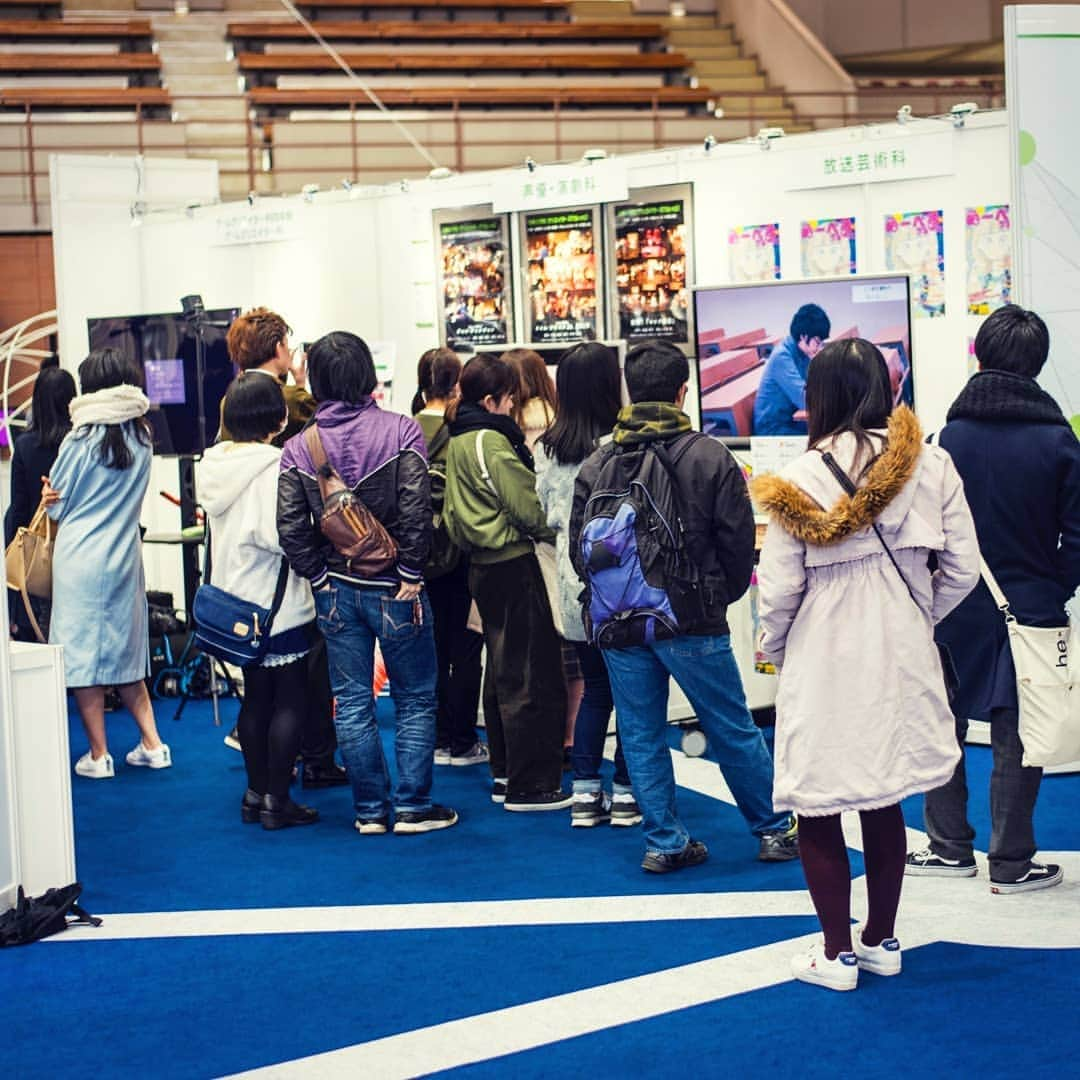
[915,245]
[475,261]
[988,239]
[650,271]
[828,247]
[754,253]
[972,359]
[562,276]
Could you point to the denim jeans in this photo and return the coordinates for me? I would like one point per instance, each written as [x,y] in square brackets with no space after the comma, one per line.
[351,620]
[590,729]
[705,669]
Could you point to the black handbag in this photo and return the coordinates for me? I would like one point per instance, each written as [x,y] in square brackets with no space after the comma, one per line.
[948,668]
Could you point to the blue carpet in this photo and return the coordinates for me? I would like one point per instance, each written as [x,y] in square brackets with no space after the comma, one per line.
[208,1006]
[957,1011]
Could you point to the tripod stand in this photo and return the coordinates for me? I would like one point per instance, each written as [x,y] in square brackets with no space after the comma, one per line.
[191,668]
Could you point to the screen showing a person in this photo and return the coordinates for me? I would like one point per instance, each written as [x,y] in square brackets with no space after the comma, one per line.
[164,346]
[755,344]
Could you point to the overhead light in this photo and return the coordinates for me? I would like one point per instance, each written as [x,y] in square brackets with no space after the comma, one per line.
[962,111]
[595,153]
[766,136]
[181,7]
[346,184]
[710,142]
[440,172]
[903,114]
[309,191]
[676,9]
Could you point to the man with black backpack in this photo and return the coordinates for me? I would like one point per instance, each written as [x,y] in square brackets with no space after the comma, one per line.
[662,535]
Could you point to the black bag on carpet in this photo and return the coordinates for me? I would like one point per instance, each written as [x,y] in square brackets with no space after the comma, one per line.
[34,918]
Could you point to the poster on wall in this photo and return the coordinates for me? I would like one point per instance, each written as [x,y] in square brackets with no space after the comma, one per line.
[915,245]
[475,259]
[828,247]
[561,267]
[988,240]
[754,253]
[650,274]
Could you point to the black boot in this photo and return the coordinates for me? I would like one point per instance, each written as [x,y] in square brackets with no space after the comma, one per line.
[280,813]
[324,773]
[250,806]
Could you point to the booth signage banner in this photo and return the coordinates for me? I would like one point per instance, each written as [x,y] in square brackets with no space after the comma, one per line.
[255,226]
[561,256]
[872,161]
[475,256]
[650,277]
[1042,57]
[551,186]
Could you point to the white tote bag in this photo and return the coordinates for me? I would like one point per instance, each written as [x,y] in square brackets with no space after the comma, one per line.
[1047,662]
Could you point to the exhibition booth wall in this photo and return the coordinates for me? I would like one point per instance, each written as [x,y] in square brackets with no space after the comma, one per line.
[869,200]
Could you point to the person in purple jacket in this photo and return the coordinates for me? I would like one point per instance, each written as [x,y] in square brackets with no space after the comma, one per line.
[381,457]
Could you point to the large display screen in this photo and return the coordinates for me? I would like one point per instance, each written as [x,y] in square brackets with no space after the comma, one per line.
[650,270]
[562,271]
[752,368]
[164,346]
[475,266]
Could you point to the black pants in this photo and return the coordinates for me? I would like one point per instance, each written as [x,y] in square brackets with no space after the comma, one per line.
[524,689]
[1013,791]
[457,650]
[270,724]
[319,740]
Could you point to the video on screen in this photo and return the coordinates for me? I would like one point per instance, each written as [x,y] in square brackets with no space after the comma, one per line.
[755,344]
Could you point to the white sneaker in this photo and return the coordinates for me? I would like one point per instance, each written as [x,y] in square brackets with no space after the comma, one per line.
[814,967]
[442,757]
[160,758]
[95,768]
[883,959]
[478,755]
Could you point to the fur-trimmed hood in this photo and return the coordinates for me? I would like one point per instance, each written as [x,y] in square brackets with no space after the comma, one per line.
[806,500]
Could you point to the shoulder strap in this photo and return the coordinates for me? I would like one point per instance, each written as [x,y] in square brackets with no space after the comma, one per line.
[314,443]
[483,462]
[279,592]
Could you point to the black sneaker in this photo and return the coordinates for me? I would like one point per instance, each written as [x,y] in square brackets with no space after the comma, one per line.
[1037,877]
[543,800]
[375,826]
[927,864]
[498,791]
[624,809]
[782,846]
[660,862]
[418,821]
[590,808]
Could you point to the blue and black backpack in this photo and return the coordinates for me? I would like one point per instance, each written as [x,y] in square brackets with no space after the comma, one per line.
[641,585]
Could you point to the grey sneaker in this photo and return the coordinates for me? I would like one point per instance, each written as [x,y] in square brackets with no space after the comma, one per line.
[624,809]
[927,864]
[476,755]
[590,808]
[782,846]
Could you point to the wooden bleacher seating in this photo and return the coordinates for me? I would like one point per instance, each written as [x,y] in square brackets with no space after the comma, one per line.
[41,9]
[141,69]
[550,8]
[152,100]
[131,35]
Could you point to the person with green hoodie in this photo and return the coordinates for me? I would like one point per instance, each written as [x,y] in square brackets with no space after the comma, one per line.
[491,511]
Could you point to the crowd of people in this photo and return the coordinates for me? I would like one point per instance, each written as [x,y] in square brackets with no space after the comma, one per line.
[554,554]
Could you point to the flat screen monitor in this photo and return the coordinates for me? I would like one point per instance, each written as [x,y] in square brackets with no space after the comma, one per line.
[164,347]
[752,372]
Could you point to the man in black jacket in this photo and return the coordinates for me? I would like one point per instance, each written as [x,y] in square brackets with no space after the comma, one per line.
[1020,463]
[717,536]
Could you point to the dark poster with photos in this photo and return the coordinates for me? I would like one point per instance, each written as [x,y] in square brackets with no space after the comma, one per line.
[650,270]
[475,263]
[561,256]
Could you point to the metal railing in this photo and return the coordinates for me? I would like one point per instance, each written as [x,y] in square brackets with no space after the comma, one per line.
[749,110]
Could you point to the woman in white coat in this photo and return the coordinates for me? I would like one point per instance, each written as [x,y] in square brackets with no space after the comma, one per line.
[862,714]
[238,489]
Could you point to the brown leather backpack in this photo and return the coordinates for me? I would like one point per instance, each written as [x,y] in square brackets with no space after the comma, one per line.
[346,522]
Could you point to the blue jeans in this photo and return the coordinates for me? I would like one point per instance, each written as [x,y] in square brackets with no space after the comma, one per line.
[591,726]
[351,620]
[705,669]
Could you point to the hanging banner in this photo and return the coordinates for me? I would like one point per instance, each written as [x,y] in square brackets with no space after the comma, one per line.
[650,276]
[562,270]
[475,258]
[988,242]
[915,245]
[754,253]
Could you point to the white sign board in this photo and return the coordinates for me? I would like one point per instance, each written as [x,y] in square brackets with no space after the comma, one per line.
[550,186]
[255,226]
[879,160]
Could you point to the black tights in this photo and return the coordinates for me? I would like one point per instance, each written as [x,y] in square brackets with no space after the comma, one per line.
[828,874]
[271,724]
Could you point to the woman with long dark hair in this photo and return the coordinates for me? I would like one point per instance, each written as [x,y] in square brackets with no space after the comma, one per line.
[32,459]
[589,386]
[492,512]
[95,493]
[457,648]
[848,605]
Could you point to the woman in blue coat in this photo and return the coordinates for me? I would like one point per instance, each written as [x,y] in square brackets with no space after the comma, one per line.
[94,494]
[1020,463]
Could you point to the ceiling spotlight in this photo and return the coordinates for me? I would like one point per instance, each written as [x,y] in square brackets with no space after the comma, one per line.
[962,111]
[309,191]
[530,164]
[903,114]
[440,172]
[766,136]
[710,142]
[676,9]
[346,184]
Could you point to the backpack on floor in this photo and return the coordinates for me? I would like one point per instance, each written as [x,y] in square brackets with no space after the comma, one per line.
[34,918]
[641,585]
[445,554]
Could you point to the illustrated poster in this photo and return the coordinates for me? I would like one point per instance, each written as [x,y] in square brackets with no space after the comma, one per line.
[915,245]
[650,275]
[476,306]
[988,239]
[828,247]
[754,253]
[562,276]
